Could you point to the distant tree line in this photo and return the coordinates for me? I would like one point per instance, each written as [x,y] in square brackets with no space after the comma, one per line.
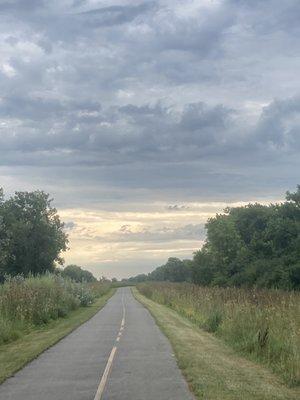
[256,245]
[78,274]
[32,238]
[175,270]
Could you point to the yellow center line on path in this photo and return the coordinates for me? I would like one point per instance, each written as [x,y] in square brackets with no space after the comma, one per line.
[110,360]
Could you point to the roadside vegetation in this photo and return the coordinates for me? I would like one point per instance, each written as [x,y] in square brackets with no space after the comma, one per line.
[40,302]
[30,302]
[212,369]
[33,290]
[263,325]
[243,284]
[17,353]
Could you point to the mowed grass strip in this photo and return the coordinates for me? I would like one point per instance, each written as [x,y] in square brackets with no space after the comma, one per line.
[213,370]
[15,355]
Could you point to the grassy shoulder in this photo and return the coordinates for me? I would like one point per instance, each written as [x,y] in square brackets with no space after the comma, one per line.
[213,370]
[14,355]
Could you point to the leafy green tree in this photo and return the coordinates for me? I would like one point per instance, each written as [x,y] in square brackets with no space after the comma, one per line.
[252,245]
[203,271]
[294,276]
[78,274]
[33,232]
[3,239]
[136,279]
[255,245]
[175,270]
[294,197]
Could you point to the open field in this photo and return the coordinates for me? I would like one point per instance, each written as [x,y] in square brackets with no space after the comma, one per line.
[25,333]
[213,370]
[263,325]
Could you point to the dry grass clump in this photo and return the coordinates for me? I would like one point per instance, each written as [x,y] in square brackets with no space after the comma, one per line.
[263,324]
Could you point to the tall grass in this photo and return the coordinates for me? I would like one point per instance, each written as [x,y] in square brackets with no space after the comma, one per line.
[30,302]
[262,324]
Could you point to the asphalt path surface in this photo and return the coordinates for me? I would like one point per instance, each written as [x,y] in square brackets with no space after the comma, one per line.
[119,354]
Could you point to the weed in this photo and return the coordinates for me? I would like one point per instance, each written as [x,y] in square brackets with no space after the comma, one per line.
[37,300]
[261,324]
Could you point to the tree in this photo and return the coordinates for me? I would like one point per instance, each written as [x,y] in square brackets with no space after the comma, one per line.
[33,232]
[136,279]
[202,268]
[294,197]
[254,245]
[175,270]
[3,239]
[78,274]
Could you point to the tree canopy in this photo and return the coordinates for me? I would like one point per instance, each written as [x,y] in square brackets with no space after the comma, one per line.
[31,234]
[78,274]
[255,245]
[252,245]
[175,270]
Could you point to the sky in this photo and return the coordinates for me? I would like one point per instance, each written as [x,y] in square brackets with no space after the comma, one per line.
[143,119]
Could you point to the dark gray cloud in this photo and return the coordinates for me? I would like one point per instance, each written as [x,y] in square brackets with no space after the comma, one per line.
[86,133]
[279,125]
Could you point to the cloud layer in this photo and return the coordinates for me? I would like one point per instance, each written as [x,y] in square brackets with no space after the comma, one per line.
[110,103]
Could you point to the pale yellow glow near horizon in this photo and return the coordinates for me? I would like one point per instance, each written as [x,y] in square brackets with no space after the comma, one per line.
[153,232]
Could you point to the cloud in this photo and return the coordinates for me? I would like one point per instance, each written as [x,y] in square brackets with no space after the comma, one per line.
[19,5]
[177,207]
[114,15]
[158,235]
[279,125]
[69,225]
[78,133]
[110,104]
[133,132]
